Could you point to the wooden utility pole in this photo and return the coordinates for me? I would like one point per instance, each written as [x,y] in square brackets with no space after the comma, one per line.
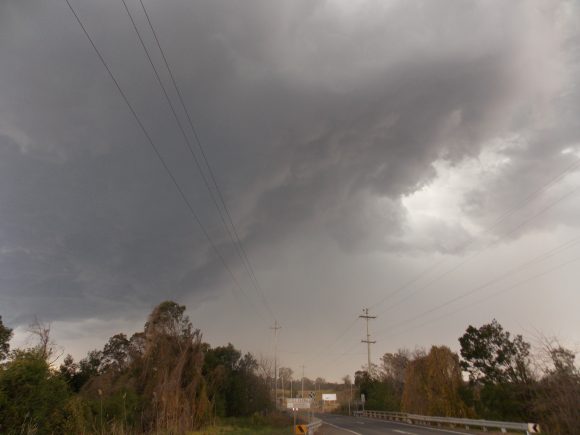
[368,340]
[275,328]
[303,380]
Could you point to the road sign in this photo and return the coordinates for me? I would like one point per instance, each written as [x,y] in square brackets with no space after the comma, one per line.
[299,399]
[312,394]
[328,397]
[304,405]
[301,429]
[533,428]
[362,398]
[298,403]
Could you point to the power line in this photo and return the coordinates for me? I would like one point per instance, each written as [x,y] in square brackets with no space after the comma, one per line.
[494,294]
[233,236]
[156,151]
[536,259]
[498,221]
[539,258]
[239,244]
[469,257]
[327,348]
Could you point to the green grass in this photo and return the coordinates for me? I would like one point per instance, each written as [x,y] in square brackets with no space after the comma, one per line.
[271,425]
[237,430]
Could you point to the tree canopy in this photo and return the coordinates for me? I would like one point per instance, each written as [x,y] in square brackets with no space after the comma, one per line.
[491,356]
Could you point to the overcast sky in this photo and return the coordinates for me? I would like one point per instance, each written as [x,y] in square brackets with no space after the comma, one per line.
[412,157]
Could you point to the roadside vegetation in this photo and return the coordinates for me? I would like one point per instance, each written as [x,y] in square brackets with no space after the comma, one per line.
[503,381]
[274,424]
[161,380]
[166,380]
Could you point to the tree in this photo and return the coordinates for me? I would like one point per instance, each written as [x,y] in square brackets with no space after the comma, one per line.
[168,319]
[115,355]
[490,356]
[286,373]
[234,386]
[393,366]
[5,337]
[392,373]
[557,394]
[32,397]
[152,381]
[46,346]
[78,374]
[433,384]
[498,367]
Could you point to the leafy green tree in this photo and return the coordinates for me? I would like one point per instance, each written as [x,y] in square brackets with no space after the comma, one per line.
[32,396]
[115,355]
[78,374]
[5,337]
[491,356]
[234,386]
[498,367]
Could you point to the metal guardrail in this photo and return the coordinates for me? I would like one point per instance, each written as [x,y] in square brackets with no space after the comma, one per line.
[314,424]
[528,428]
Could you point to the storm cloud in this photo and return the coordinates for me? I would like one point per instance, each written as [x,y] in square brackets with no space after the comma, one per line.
[322,121]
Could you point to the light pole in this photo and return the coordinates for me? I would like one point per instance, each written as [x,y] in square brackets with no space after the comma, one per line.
[350,398]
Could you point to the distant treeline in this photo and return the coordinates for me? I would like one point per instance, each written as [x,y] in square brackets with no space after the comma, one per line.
[163,379]
[505,381]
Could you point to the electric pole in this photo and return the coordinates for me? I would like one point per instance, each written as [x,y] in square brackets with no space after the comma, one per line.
[275,328]
[368,340]
[303,380]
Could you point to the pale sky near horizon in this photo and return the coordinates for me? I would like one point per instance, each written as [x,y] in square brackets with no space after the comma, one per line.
[418,158]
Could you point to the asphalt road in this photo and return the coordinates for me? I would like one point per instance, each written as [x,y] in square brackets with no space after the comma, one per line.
[343,425]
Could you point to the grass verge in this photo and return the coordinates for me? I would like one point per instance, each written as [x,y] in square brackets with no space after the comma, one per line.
[275,424]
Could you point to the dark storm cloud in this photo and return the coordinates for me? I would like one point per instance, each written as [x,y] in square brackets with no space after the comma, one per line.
[315,115]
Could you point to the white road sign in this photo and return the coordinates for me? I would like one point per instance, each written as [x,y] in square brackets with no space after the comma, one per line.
[329,397]
[298,405]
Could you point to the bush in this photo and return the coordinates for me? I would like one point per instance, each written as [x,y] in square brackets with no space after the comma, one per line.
[32,396]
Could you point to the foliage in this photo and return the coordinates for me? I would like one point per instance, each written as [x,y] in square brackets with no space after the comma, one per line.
[270,424]
[499,371]
[164,379]
[5,337]
[380,394]
[32,395]
[557,395]
[234,387]
[490,356]
[433,385]
[79,374]
[285,373]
